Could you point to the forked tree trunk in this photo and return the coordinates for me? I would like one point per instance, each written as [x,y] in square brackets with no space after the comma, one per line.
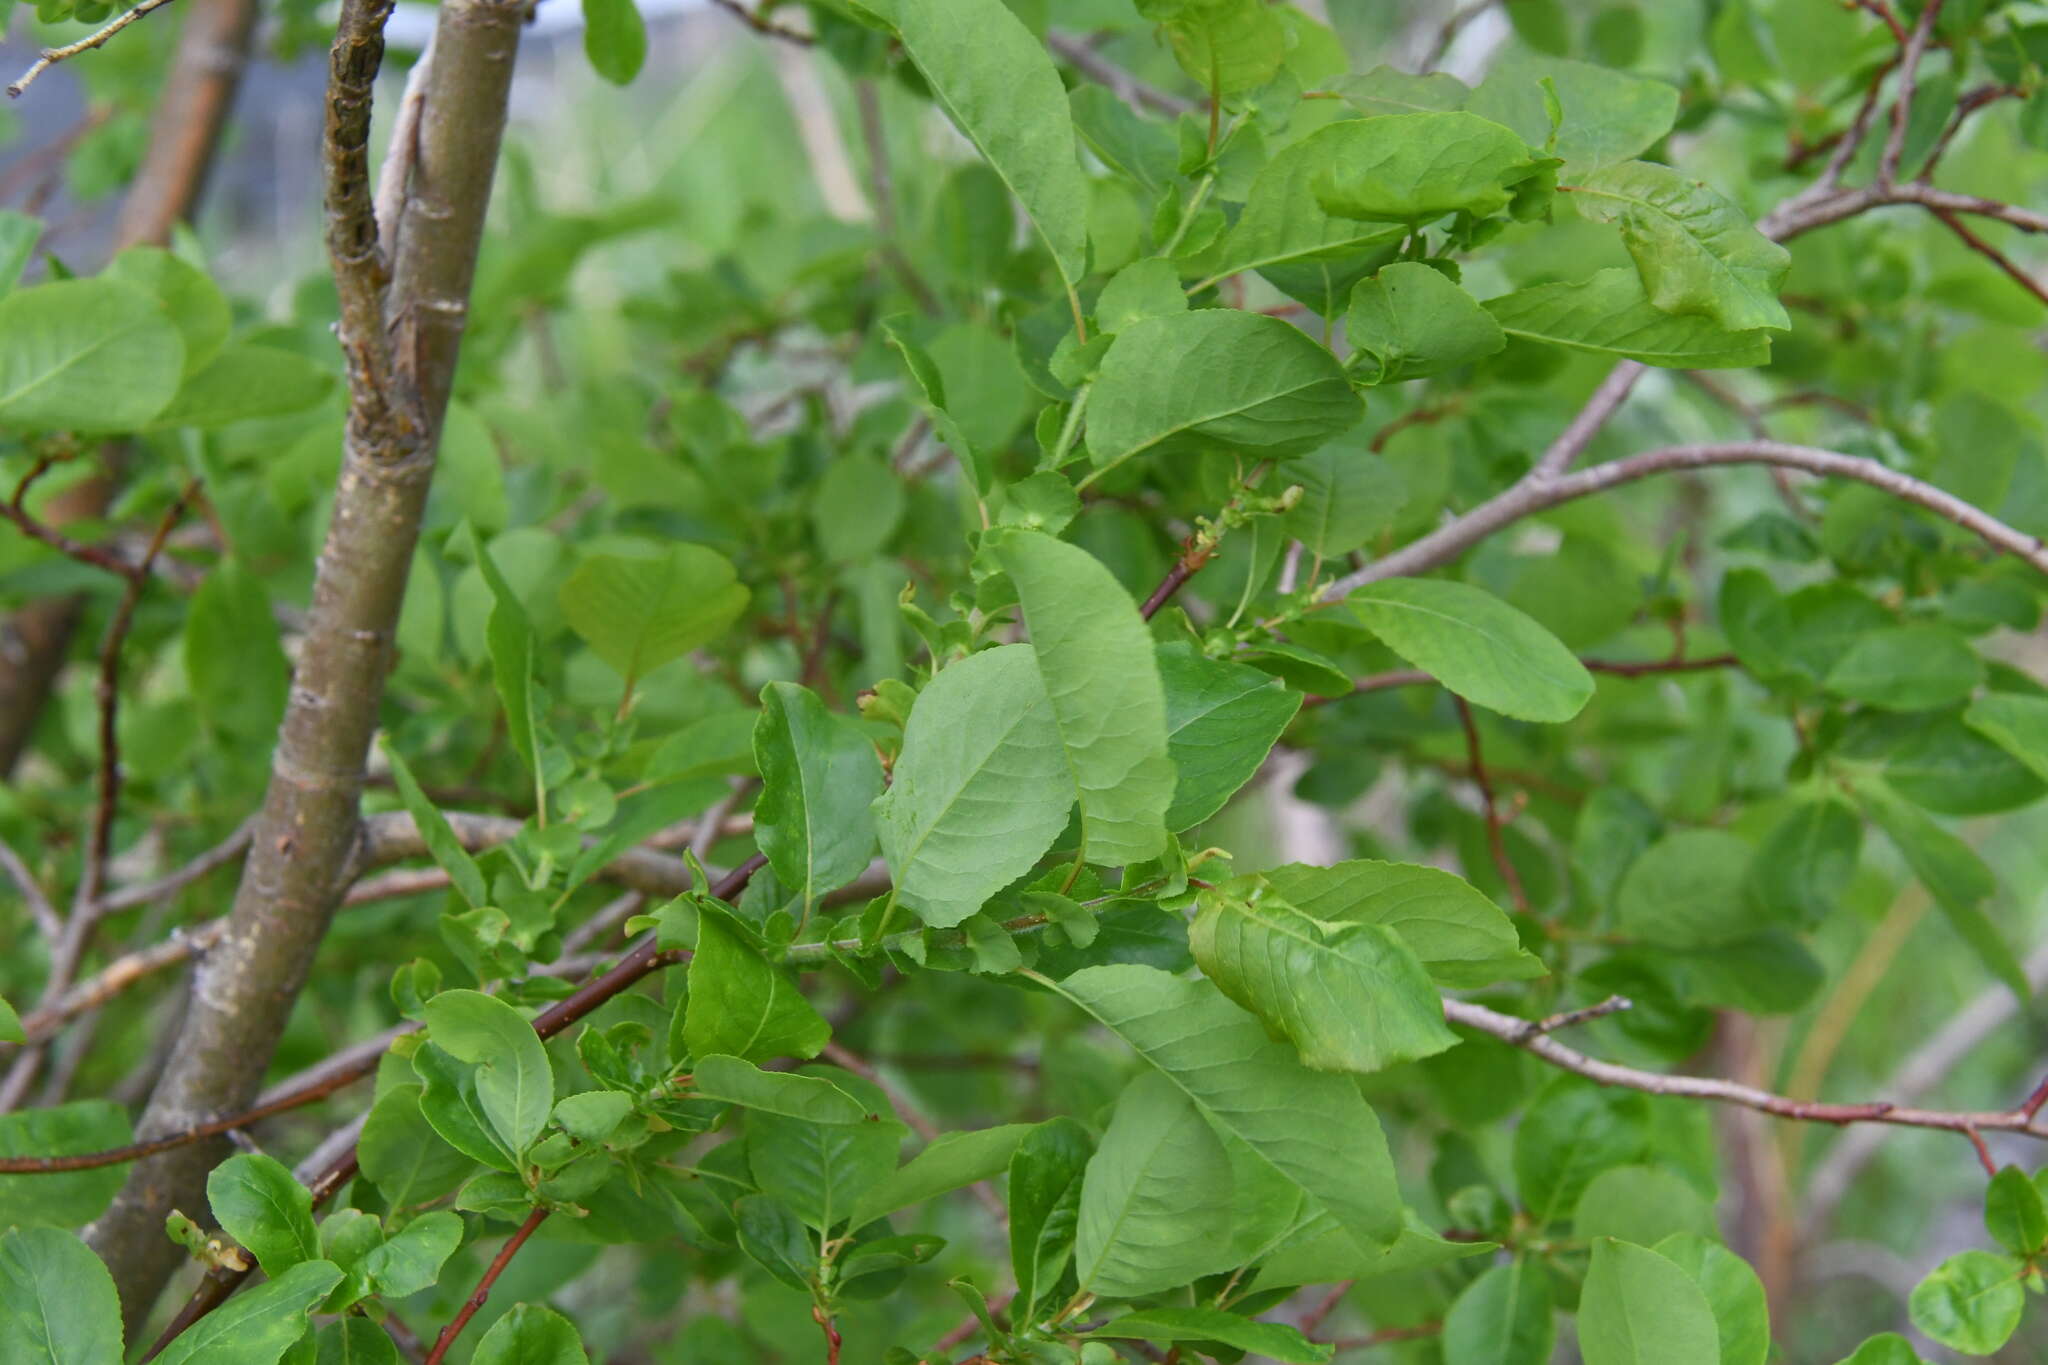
[185,131]
[401,344]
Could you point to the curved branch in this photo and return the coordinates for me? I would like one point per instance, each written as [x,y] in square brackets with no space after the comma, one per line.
[50,56]
[1534,494]
[1518,1033]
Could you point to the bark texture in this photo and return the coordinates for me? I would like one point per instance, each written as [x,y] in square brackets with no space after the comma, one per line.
[401,340]
[205,72]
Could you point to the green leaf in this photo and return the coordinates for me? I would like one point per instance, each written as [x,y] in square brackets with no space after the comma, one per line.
[1096,659]
[1349,996]
[1886,1348]
[1414,322]
[819,775]
[736,1081]
[1640,1204]
[2015,723]
[1416,168]
[531,1334]
[1611,315]
[1225,46]
[263,1206]
[411,1259]
[1476,645]
[821,1170]
[774,1238]
[593,1115]
[88,355]
[949,1162]
[509,636]
[233,657]
[401,1154]
[1047,1176]
[1742,1315]
[857,508]
[1324,1255]
[741,1005]
[1144,289]
[1155,1207]
[1685,891]
[70,1198]
[1463,938]
[1222,720]
[1695,251]
[352,1341]
[1284,226]
[1907,668]
[439,836]
[1805,863]
[1573,1131]
[1216,379]
[1269,1340]
[1384,90]
[10,1025]
[514,1083]
[1608,115]
[1503,1317]
[1971,1303]
[1953,874]
[57,1302]
[1001,90]
[190,299]
[1254,1090]
[450,1105]
[1638,1308]
[639,613]
[258,1327]
[2013,1212]
[981,789]
[245,382]
[18,234]
[1349,498]
[615,39]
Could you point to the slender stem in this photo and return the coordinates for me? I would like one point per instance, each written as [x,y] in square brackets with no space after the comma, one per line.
[1902,103]
[1496,842]
[50,56]
[483,1286]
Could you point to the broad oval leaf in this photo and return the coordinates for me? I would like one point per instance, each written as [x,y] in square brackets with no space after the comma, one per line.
[191,300]
[819,776]
[69,1198]
[514,1083]
[1310,1126]
[263,1206]
[1464,939]
[531,1334]
[1414,322]
[1350,997]
[1572,1132]
[1476,645]
[258,1327]
[1610,315]
[2015,723]
[615,39]
[980,790]
[1283,226]
[88,355]
[1503,1317]
[1155,1205]
[1695,251]
[1971,1303]
[1417,168]
[1222,720]
[737,1081]
[1216,379]
[742,1005]
[1002,91]
[244,382]
[1639,1309]
[57,1302]
[1102,681]
[1907,668]
[949,1162]
[639,612]
[1733,1293]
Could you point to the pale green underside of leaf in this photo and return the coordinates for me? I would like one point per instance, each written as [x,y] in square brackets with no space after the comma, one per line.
[1476,645]
[1002,91]
[1216,379]
[1350,997]
[1638,1308]
[1461,937]
[1095,657]
[1610,314]
[981,789]
[1310,1126]
[1695,251]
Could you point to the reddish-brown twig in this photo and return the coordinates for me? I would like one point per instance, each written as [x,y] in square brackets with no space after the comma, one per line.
[1496,842]
[483,1286]
[1991,253]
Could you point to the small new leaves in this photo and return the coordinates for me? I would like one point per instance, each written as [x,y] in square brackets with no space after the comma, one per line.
[1350,997]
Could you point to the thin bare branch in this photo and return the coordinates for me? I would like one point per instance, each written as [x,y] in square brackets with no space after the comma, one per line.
[1991,253]
[50,56]
[1902,103]
[161,888]
[1605,402]
[1515,1032]
[48,923]
[767,28]
[1496,841]
[1076,52]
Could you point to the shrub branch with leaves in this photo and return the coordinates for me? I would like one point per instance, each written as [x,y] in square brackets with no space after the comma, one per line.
[1123,752]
